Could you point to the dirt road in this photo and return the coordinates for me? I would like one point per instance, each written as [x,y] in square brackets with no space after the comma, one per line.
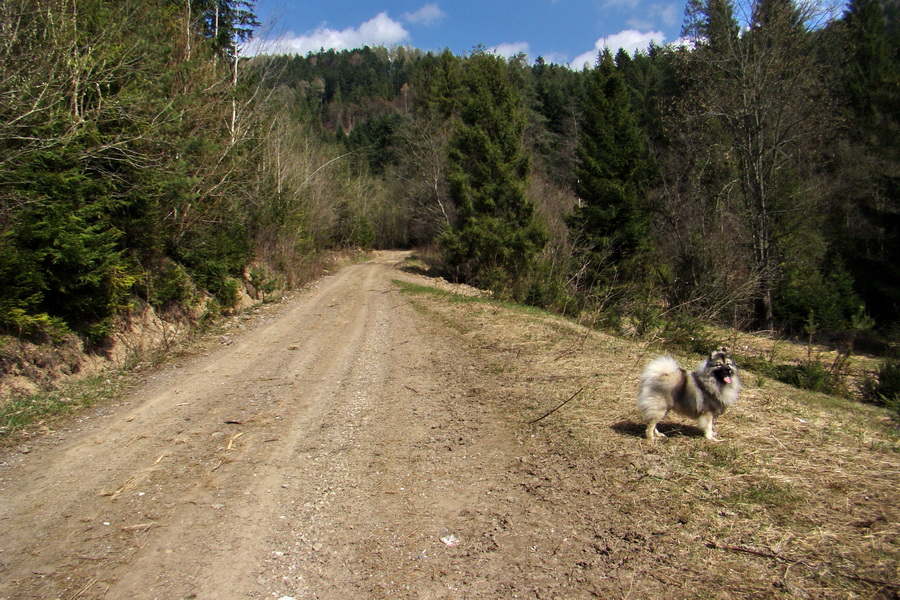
[327,452]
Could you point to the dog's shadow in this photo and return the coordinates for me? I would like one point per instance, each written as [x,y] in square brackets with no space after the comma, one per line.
[638,430]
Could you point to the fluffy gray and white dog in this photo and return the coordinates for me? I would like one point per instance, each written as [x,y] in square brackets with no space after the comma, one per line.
[702,394]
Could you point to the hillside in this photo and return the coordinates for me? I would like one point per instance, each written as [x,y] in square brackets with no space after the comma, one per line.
[380,435]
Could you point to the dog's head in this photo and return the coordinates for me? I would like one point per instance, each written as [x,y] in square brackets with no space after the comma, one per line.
[721,365]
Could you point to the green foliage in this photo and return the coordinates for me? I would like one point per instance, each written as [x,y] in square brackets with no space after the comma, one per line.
[690,334]
[374,140]
[710,22]
[885,387]
[132,163]
[828,298]
[106,175]
[30,324]
[544,286]
[610,225]
[62,256]
[215,258]
[813,376]
[808,375]
[265,283]
[496,234]
[170,284]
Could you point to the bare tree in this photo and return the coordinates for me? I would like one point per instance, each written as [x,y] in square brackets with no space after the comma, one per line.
[421,173]
[759,89]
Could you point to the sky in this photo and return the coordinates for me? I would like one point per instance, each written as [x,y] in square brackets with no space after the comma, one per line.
[568,32]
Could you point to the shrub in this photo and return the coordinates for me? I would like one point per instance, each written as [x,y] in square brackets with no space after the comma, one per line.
[885,388]
[809,375]
[32,325]
[170,284]
[812,376]
[809,294]
[690,334]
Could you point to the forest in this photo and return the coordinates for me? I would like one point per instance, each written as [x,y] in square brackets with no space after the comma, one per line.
[748,179]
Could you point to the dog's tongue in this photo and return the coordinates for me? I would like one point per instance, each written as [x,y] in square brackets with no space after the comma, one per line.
[727,379]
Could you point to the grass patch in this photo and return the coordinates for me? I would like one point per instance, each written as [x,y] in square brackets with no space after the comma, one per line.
[24,413]
[415,288]
[457,298]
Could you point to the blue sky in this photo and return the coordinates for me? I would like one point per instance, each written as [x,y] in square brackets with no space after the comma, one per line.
[562,31]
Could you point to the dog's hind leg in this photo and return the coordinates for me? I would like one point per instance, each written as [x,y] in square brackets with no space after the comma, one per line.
[705,421]
[653,410]
[652,432]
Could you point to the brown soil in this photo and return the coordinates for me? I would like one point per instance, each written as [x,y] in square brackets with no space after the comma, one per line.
[359,442]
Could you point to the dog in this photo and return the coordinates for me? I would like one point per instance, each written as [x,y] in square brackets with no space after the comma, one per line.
[703,394]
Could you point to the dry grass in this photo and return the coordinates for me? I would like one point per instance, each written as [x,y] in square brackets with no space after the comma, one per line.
[799,500]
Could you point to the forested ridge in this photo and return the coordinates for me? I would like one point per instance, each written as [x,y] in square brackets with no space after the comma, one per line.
[748,179]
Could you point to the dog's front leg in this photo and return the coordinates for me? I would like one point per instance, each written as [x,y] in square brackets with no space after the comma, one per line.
[706,424]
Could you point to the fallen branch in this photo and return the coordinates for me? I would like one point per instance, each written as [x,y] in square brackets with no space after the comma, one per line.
[234,437]
[144,526]
[547,414]
[798,561]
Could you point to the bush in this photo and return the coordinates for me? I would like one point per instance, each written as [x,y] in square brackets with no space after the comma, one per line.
[544,286]
[32,325]
[690,334]
[170,285]
[812,376]
[823,296]
[885,388]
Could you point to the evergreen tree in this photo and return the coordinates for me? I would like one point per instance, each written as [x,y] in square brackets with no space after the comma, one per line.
[609,225]
[710,22]
[226,23]
[872,73]
[496,234]
[866,224]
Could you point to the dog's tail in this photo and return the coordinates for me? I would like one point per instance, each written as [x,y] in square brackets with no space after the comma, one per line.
[662,370]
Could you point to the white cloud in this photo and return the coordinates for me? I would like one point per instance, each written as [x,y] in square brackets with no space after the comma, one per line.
[428,15]
[510,50]
[622,4]
[636,23]
[588,59]
[378,31]
[644,16]
[671,14]
[630,39]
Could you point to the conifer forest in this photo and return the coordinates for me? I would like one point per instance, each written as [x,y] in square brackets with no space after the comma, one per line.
[749,179]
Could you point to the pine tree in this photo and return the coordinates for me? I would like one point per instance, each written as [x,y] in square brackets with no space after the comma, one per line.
[496,234]
[871,73]
[226,23]
[710,22]
[609,225]
[867,221]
